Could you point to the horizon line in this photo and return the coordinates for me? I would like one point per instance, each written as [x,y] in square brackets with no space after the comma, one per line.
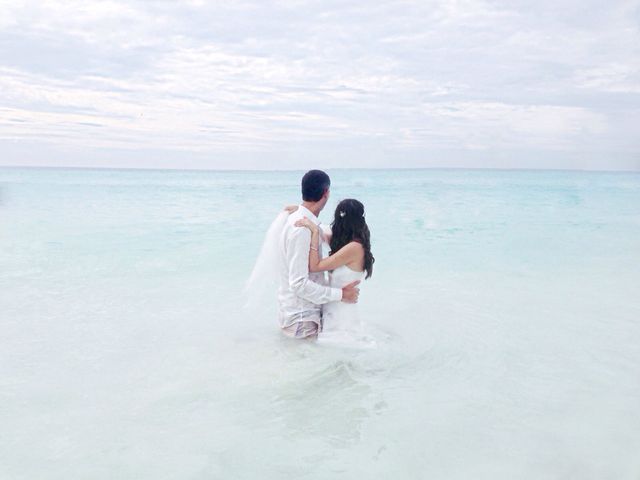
[260,170]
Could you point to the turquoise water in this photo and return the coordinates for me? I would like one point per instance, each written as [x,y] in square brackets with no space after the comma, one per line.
[505,304]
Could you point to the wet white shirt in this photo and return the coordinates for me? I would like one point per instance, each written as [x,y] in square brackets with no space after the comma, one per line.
[301,294]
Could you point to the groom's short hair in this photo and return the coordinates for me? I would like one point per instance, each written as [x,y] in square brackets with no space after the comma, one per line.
[314,184]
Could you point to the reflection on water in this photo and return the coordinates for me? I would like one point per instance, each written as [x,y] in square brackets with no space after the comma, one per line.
[329,404]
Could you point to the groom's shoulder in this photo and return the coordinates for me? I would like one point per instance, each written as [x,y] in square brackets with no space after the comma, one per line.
[293,218]
[291,231]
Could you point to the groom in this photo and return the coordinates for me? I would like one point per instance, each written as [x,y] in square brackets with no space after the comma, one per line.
[301,293]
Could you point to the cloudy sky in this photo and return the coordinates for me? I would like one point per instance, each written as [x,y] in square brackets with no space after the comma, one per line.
[295,84]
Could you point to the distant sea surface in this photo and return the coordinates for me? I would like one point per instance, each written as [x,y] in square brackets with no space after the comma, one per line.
[506,306]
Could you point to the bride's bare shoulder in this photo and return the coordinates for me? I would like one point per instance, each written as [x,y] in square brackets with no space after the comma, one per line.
[354,247]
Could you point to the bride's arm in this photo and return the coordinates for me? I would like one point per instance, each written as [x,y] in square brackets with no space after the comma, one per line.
[347,254]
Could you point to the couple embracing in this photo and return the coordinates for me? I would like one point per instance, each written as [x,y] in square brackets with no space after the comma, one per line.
[317,295]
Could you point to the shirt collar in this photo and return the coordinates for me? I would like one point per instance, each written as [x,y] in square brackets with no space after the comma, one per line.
[309,214]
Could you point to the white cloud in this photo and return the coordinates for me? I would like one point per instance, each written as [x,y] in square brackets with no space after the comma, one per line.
[279,78]
[610,77]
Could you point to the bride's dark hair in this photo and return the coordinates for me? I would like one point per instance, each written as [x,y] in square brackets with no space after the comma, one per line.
[349,225]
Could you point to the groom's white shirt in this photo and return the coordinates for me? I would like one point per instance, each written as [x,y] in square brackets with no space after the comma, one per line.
[301,293]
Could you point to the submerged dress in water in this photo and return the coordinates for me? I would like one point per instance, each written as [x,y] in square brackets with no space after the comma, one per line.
[341,324]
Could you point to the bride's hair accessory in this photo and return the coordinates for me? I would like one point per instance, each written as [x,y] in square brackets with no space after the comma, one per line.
[343,214]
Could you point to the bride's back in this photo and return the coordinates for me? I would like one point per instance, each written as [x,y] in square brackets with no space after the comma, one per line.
[341,316]
[344,275]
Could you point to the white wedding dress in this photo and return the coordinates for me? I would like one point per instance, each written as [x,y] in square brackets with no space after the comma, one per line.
[341,324]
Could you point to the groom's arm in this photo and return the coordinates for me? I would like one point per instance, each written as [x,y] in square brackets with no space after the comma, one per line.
[298,261]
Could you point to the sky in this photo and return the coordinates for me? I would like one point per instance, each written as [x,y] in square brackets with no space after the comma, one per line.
[320,84]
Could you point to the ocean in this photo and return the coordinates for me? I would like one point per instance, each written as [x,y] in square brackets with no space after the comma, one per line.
[505,305]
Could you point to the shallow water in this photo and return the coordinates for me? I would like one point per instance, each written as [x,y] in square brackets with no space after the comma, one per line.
[505,305]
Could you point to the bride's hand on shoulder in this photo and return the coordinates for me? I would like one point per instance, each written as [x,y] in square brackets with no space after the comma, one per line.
[305,222]
[291,208]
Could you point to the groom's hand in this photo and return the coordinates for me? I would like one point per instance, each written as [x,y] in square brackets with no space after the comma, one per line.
[350,292]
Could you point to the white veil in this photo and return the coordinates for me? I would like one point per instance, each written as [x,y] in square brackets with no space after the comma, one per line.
[262,286]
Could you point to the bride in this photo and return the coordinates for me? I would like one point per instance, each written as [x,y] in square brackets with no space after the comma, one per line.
[349,260]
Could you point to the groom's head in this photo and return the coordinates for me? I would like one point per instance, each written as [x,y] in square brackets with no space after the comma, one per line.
[315,187]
